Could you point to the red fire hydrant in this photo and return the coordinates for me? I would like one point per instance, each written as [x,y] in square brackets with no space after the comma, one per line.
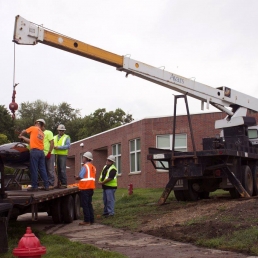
[130,189]
[29,246]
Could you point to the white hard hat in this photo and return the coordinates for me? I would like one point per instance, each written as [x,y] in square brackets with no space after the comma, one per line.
[111,158]
[88,155]
[41,121]
[61,128]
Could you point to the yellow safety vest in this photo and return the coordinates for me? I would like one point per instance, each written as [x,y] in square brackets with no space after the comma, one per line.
[113,182]
[60,142]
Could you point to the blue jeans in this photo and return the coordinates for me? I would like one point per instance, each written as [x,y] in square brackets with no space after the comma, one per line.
[109,201]
[37,164]
[86,203]
[61,168]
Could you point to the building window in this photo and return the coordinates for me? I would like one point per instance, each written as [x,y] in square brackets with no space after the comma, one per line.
[165,142]
[135,155]
[116,151]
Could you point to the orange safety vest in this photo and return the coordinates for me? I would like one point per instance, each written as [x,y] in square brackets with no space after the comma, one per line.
[88,182]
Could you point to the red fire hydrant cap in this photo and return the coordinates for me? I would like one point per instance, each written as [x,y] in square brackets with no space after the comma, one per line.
[29,246]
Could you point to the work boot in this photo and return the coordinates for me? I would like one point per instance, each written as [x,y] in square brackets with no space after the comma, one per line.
[83,223]
[32,189]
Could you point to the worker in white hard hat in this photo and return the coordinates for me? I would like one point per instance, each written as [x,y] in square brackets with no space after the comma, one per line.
[108,180]
[37,157]
[48,148]
[62,144]
[87,186]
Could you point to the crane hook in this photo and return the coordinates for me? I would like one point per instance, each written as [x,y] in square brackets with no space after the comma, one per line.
[13,106]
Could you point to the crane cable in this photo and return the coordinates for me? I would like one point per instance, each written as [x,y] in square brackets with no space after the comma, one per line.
[13,106]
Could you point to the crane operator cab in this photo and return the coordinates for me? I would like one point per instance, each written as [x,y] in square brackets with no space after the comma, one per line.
[238,137]
[253,135]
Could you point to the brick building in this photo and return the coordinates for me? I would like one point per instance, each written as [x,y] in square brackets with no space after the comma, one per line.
[130,143]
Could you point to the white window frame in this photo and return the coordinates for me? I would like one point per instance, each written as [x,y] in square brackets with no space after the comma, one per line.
[177,148]
[135,152]
[117,157]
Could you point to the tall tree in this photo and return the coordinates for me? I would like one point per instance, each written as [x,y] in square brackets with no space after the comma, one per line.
[101,121]
[77,127]
[3,139]
[6,123]
[54,115]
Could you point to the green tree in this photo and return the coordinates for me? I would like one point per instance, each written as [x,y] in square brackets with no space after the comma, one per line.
[29,112]
[6,123]
[3,139]
[101,121]
[54,115]
[62,114]
[76,127]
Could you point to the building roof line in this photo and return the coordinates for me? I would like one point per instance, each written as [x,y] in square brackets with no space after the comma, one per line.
[138,120]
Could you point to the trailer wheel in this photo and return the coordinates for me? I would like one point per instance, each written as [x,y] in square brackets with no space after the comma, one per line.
[247,179]
[255,180]
[68,208]
[13,218]
[247,182]
[56,211]
[191,194]
[77,206]
[179,195]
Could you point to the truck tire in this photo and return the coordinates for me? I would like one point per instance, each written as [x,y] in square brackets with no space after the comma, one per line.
[191,194]
[179,195]
[247,179]
[255,180]
[56,211]
[67,207]
[14,214]
[77,206]
[13,218]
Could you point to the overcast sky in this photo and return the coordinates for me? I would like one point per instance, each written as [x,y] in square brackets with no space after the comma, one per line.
[214,41]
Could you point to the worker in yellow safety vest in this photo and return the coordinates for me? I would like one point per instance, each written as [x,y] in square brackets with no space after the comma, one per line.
[61,145]
[108,180]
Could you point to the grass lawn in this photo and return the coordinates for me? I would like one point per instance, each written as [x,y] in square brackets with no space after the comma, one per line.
[131,211]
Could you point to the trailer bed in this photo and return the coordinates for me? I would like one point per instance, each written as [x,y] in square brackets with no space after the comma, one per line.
[23,197]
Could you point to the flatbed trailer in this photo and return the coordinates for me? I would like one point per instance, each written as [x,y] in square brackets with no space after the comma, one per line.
[62,204]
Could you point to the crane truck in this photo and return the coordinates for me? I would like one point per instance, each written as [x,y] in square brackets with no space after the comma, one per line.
[228,161]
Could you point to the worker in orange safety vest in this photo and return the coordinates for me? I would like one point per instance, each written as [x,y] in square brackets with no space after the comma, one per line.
[87,186]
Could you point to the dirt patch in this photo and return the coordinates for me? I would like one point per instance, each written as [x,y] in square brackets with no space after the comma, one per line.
[203,219]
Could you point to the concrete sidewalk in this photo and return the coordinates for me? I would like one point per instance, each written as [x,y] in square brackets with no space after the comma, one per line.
[135,245]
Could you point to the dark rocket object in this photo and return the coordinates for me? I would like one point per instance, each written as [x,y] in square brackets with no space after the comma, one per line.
[15,154]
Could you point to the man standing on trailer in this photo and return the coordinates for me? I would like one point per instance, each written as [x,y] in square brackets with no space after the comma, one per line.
[50,158]
[61,145]
[37,157]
